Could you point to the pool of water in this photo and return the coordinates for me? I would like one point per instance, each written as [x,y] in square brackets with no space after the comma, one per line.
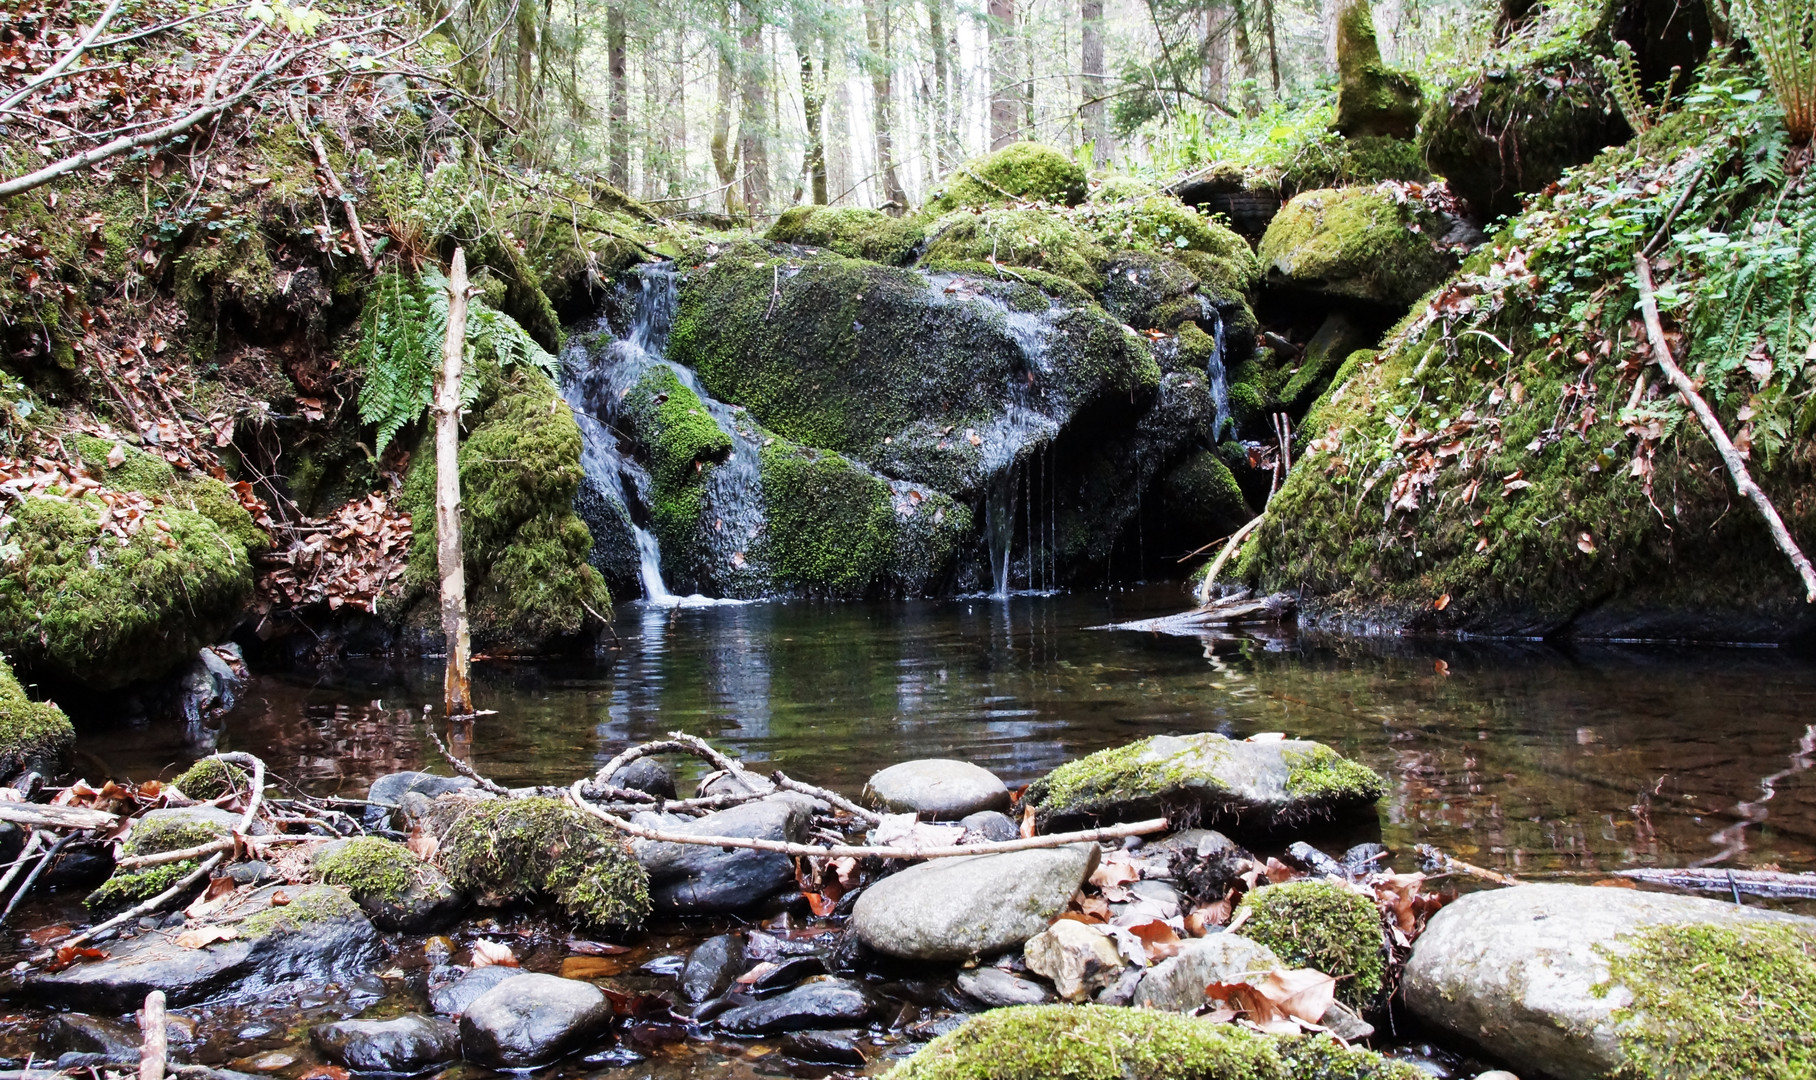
[1519,756]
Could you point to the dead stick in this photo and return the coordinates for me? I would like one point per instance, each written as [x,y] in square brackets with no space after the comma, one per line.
[332,180]
[1229,548]
[1737,467]
[32,878]
[457,691]
[462,767]
[132,913]
[856,851]
[31,848]
[783,781]
[1438,858]
[156,1045]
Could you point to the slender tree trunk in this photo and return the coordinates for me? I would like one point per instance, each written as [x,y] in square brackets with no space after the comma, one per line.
[527,43]
[876,26]
[1096,115]
[1001,46]
[677,161]
[839,177]
[457,693]
[753,108]
[618,133]
[725,157]
[1273,46]
[813,108]
[942,86]
[1245,57]
[1216,55]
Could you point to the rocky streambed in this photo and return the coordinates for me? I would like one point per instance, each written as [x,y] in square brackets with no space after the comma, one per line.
[446,926]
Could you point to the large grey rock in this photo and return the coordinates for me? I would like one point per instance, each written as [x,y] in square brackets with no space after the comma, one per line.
[688,879]
[532,1020]
[999,990]
[1177,983]
[943,789]
[387,793]
[825,1003]
[452,998]
[1515,970]
[408,1044]
[320,936]
[80,1033]
[712,967]
[953,909]
[1232,782]
[648,776]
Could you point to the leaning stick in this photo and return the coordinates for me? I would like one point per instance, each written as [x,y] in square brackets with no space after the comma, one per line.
[1737,467]
[156,1045]
[132,913]
[67,58]
[864,851]
[1229,548]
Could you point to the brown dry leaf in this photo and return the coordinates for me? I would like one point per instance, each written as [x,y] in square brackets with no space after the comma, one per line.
[1027,826]
[1158,939]
[1441,602]
[1278,871]
[1115,869]
[73,954]
[1200,921]
[1302,993]
[204,936]
[212,899]
[117,456]
[762,969]
[1585,543]
[1440,668]
[326,1072]
[493,954]
[422,844]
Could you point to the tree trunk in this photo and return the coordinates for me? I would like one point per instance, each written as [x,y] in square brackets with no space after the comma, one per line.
[677,160]
[839,178]
[725,158]
[1273,46]
[876,26]
[1245,56]
[813,108]
[618,129]
[526,57]
[753,108]
[1215,55]
[943,149]
[1096,115]
[1001,33]
[457,693]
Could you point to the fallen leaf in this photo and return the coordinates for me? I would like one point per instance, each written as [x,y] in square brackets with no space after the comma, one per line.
[117,456]
[44,935]
[582,947]
[71,954]
[493,954]
[1440,667]
[1585,544]
[1027,825]
[1115,869]
[204,936]
[1441,602]
[1158,939]
[750,977]
[326,1072]
[1278,871]
[212,899]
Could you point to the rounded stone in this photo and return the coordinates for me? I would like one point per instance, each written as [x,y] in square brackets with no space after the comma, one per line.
[408,1044]
[940,788]
[532,1020]
[973,905]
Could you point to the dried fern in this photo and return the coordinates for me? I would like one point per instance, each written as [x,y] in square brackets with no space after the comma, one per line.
[1783,34]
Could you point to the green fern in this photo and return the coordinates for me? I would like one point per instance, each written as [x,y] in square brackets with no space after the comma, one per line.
[401,334]
[1781,32]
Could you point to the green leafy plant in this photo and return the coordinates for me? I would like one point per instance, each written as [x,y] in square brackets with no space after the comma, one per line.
[1781,32]
[401,335]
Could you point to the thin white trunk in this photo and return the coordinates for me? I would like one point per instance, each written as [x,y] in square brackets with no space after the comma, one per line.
[457,689]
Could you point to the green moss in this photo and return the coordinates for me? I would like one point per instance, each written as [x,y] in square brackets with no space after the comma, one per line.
[525,848]
[1322,925]
[1038,239]
[1200,494]
[1372,98]
[34,735]
[313,904]
[1163,225]
[210,778]
[851,231]
[1319,1057]
[1020,171]
[1110,777]
[124,890]
[1726,1003]
[1118,188]
[151,475]
[153,834]
[370,867]
[1359,243]
[1324,774]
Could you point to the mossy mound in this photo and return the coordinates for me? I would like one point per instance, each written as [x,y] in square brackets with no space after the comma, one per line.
[1322,925]
[34,735]
[1357,243]
[155,832]
[311,904]
[529,587]
[1023,171]
[520,849]
[1036,239]
[1201,496]
[851,231]
[369,866]
[1095,1042]
[210,778]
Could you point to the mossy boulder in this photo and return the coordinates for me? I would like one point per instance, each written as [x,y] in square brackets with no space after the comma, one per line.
[1096,1042]
[397,890]
[210,778]
[1222,782]
[1201,497]
[1358,244]
[851,231]
[1035,239]
[1337,338]
[155,832]
[529,588]
[499,850]
[1322,925]
[1019,172]
[35,736]
[1372,98]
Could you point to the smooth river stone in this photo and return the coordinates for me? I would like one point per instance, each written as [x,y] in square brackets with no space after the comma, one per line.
[532,1020]
[940,788]
[974,905]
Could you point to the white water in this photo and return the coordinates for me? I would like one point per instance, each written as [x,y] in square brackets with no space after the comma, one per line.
[1214,371]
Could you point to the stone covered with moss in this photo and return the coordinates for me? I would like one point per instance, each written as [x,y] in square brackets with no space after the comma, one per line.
[501,850]
[1095,1042]
[35,736]
[854,232]
[1221,781]
[1034,239]
[1359,244]
[154,832]
[210,778]
[1322,925]
[395,888]
[1019,172]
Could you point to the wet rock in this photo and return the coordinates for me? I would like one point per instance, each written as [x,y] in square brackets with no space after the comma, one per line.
[825,1047]
[452,998]
[211,685]
[319,936]
[788,972]
[397,890]
[112,1042]
[954,909]
[1078,959]
[1345,1023]
[987,826]
[388,791]
[998,989]
[1357,244]
[712,967]
[407,1044]
[688,879]
[532,1020]
[1177,983]
[938,788]
[1257,785]
[648,776]
[1516,970]
[827,1003]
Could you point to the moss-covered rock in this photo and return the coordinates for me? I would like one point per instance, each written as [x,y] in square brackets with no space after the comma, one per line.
[518,849]
[1231,783]
[1019,172]
[1336,340]
[395,888]
[1372,98]
[1358,243]
[1037,239]
[34,735]
[155,832]
[1322,925]
[1094,1042]
[210,778]
[851,231]
[1201,496]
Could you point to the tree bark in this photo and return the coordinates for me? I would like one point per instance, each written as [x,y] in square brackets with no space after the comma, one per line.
[1003,99]
[1216,55]
[1273,45]
[753,107]
[527,40]
[725,158]
[882,85]
[1096,113]
[618,124]
[943,149]
[813,107]
[457,694]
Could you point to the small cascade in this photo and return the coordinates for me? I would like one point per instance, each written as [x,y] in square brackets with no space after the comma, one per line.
[1214,372]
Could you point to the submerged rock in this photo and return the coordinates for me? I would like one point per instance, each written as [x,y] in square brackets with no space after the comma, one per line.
[1177,983]
[1077,958]
[408,1044]
[938,788]
[837,1047]
[397,890]
[648,776]
[1578,982]
[1253,785]
[957,908]
[825,1003]
[692,879]
[78,1033]
[532,1020]
[319,936]
[452,998]
[998,989]
[712,967]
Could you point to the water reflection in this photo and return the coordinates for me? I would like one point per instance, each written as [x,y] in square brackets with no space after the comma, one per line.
[1523,757]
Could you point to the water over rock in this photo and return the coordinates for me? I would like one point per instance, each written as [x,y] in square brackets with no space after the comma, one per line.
[938,788]
[823,1003]
[80,1033]
[712,967]
[693,879]
[408,1044]
[532,1020]
[975,905]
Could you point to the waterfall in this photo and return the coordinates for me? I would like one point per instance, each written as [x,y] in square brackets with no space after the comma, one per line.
[1213,370]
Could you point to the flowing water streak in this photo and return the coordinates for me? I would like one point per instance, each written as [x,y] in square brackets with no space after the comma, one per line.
[1214,371]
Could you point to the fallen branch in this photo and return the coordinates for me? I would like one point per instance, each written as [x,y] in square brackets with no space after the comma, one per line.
[1229,548]
[865,851]
[332,181]
[156,1045]
[32,878]
[1771,883]
[1445,863]
[137,911]
[43,816]
[1737,467]
[68,58]
[782,780]
[462,767]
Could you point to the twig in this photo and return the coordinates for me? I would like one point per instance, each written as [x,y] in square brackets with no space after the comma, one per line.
[462,767]
[143,909]
[781,780]
[32,844]
[1444,862]
[66,59]
[1737,467]
[32,878]
[1664,227]
[1229,548]
[39,815]
[161,858]
[332,180]
[156,1044]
